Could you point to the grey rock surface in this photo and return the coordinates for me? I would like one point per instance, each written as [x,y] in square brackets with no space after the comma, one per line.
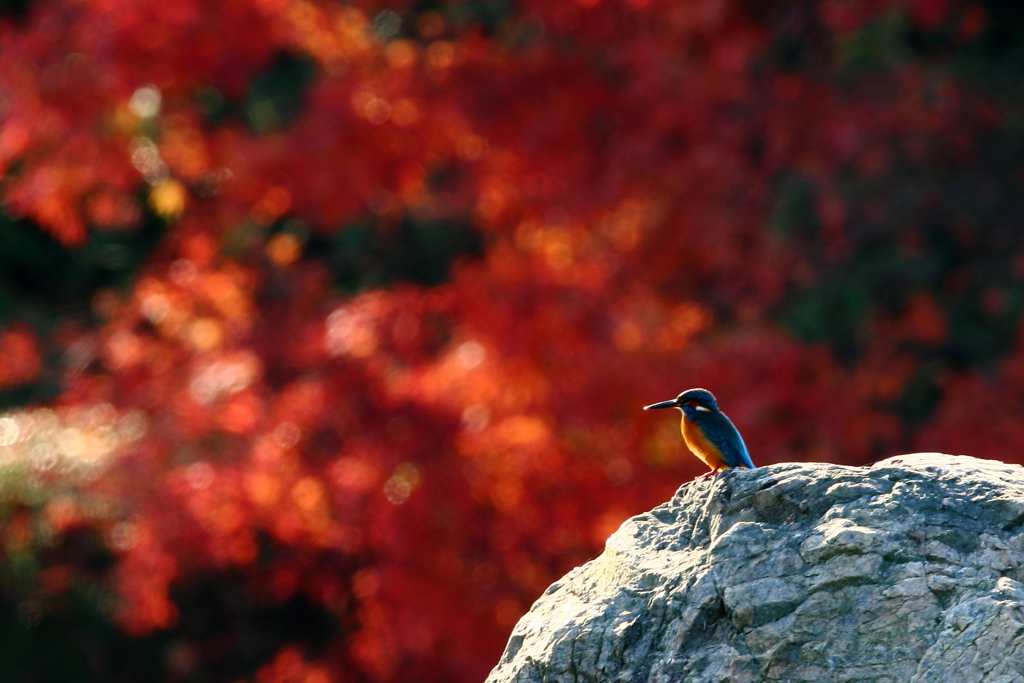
[907,571]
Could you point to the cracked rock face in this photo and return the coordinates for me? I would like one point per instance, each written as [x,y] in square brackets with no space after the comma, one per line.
[909,570]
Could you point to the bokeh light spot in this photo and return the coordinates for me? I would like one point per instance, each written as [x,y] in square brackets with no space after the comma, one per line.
[287,434]
[167,198]
[308,493]
[145,102]
[354,473]
[284,249]
[182,272]
[145,156]
[399,487]
[274,204]
[475,418]
[205,334]
[224,377]
[155,307]
[74,446]
[401,54]
[9,431]
[470,355]
[350,332]
[200,475]
[377,111]
[387,24]
[440,54]
[124,536]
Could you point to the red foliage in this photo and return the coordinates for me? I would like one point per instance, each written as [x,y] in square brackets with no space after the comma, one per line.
[20,360]
[420,462]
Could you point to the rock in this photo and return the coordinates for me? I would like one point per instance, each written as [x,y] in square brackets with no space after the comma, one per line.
[906,571]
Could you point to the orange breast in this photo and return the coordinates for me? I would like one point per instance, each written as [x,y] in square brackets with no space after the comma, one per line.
[700,446]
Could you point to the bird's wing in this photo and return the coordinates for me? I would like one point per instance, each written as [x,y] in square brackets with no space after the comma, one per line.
[724,435]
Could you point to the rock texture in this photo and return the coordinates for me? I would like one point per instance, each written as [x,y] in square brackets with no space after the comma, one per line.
[907,571]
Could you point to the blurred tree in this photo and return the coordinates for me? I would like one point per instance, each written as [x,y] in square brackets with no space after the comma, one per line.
[343,314]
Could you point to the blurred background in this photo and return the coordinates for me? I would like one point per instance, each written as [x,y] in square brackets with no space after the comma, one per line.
[325,327]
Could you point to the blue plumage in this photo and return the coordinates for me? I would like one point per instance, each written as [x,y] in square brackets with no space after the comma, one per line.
[708,432]
[720,431]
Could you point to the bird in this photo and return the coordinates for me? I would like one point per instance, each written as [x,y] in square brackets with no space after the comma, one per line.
[708,433]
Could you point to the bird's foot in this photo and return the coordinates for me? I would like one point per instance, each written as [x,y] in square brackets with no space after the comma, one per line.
[709,474]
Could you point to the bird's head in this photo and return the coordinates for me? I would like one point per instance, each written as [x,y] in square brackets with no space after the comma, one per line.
[691,402]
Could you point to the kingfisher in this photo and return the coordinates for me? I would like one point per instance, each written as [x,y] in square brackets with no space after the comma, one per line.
[708,433]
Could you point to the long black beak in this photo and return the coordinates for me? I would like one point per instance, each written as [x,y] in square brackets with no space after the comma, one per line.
[663,404]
